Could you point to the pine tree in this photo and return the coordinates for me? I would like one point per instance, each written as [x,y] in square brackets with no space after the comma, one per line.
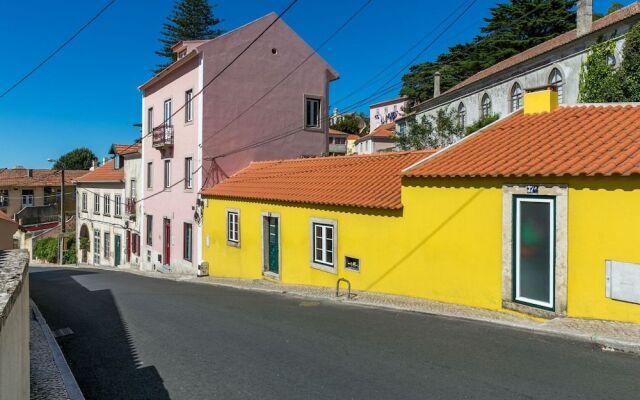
[189,20]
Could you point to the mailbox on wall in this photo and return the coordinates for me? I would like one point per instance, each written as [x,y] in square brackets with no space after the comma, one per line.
[622,281]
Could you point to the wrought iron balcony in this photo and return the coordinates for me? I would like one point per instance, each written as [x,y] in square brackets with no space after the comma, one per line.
[130,207]
[163,136]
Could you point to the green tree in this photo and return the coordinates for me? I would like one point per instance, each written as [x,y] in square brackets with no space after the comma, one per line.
[481,123]
[629,72]
[349,124]
[80,158]
[46,249]
[510,29]
[598,80]
[189,20]
[430,132]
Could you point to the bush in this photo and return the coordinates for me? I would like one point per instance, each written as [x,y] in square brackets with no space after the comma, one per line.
[481,123]
[70,255]
[46,249]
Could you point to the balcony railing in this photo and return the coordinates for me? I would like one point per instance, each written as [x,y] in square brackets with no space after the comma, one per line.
[130,207]
[337,148]
[163,136]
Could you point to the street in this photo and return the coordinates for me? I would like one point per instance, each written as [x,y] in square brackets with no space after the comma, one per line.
[136,337]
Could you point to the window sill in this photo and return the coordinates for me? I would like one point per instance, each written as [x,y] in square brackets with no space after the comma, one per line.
[117,216]
[324,267]
[233,244]
[312,129]
[187,123]
[188,190]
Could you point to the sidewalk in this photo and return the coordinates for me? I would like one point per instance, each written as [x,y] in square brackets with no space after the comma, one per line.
[609,335]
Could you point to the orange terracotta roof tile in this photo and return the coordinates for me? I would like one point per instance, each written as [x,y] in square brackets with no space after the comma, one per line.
[351,136]
[580,140]
[385,132]
[360,181]
[5,217]
[549,45]
[104,173]
[19,177]
[123,149]
[336,132]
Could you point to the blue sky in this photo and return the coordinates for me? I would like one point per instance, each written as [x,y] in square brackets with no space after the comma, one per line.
[87,95]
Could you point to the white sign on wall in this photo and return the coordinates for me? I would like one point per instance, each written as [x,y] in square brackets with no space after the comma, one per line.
[622,281]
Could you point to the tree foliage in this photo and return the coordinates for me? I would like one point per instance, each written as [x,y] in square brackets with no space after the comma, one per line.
[349,123]
[510,29]
[46,249]
[189,20]
[481,123]
[80,158]
[601,82]
[430,132]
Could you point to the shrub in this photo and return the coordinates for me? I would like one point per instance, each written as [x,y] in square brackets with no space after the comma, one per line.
[46,249]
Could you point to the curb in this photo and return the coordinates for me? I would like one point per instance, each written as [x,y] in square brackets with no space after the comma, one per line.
[70,384]
[606,343]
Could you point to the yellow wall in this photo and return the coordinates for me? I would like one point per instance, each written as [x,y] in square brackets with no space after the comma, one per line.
[445,245]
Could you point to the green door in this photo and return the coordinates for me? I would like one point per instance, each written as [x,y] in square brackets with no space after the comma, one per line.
[273,250]
[118,244]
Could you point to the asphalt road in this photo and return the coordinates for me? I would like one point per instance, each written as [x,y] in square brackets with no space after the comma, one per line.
[142,338]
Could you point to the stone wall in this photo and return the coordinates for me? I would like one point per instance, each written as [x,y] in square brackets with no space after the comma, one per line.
[14,324]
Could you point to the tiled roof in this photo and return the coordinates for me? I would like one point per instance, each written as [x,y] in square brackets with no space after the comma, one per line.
[576,140]
[105,173]
[351,136]
[5,217]
[359,181]
[123,149]
[549,45]
[19,177]
[384,131]
[336,132]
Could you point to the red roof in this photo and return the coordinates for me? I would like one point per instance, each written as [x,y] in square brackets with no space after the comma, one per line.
[360,181]
[123,149]
[351,136]
[576,140]
[19,177]
[549,45]
[105,173]
[336,132]
[384,132]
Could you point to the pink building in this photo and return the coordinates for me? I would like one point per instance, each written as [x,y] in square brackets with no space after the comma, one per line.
[269,104]
[385,112]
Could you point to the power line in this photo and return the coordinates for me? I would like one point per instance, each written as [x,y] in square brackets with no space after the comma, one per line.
[58,49]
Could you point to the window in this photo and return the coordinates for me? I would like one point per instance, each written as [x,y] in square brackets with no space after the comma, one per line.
[167,112]
[312,113]
[555,78]
[132,189]
[233,227]
[188,106]
[96,246]
[117,162]
[516,97]
[4,198]
[150,120]
[27,198]
[107,245]
[188,173]
[84,202]
[107,204]
[486,106]
[149,230]
[462,116]
[187,242]
[167,174]
[149,175]
[323,244]
[117,200]
[96,203]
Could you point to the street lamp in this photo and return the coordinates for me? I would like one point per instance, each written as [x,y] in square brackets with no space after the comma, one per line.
[62,216]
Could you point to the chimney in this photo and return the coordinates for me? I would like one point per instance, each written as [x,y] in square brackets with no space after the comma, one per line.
[436,84]
[540,100]
[30,173]
[104,160]
[584,16]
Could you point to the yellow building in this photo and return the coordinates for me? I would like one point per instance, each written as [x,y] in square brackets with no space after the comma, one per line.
[536,213]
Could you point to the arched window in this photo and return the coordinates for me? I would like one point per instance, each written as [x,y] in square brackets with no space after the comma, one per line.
[462,115]
[486,106]
[516,97]
[555,78]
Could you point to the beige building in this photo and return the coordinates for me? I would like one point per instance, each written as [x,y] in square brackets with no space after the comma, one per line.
[7,228]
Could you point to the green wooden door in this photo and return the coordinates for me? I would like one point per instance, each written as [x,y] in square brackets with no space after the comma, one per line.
[118,249]
[273,245]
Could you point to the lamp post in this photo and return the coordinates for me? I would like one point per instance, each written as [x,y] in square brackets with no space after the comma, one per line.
[62,214]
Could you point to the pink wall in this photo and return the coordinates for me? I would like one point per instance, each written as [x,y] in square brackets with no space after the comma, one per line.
[257,71]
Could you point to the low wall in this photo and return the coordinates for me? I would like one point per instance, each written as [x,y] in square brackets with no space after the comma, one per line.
[14,324]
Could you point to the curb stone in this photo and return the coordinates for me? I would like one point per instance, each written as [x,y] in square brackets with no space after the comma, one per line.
[70,383]
[606,343]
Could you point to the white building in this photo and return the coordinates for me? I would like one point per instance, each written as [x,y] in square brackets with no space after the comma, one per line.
[386,111]
[498,90]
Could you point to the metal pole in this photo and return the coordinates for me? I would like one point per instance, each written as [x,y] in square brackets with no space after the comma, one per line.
[62,219]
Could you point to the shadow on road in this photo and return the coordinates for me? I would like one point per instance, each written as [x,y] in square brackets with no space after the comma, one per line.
[100,352]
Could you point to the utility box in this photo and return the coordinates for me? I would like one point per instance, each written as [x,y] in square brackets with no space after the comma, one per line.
[203,269]
[622,281]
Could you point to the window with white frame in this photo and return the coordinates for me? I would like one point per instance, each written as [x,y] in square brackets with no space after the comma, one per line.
[555,79]
[485,110]
[188,106]
[188,173]
[187,242]
[117,203]
[312,113]
[4,198]
[150,120]
[233,227]
[149,175]
[167,112]
[107,204]
[107,245]
[167,174]
[96,203]
[84,201]
[323,238]
[462,116]
[516,97]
